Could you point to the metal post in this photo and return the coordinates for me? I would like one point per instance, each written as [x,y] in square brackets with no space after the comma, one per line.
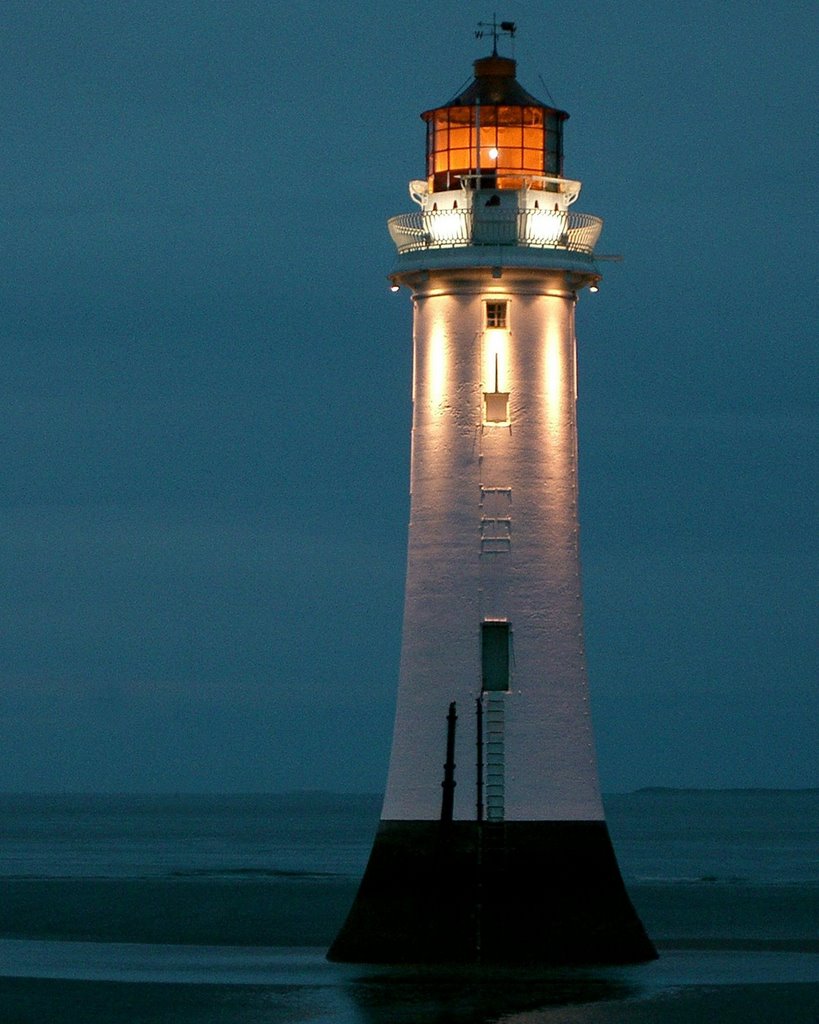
[448,785]
[479,765]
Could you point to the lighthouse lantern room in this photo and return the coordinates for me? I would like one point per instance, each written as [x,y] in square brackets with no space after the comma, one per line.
[493,135]
[492,845]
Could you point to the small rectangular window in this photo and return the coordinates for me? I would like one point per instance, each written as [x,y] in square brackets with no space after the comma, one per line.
[496,407]
[494,656]
[496,314]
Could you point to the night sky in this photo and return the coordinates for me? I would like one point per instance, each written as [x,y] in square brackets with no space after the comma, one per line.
[206,383]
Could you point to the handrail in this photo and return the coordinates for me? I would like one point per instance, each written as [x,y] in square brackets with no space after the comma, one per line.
[529,228]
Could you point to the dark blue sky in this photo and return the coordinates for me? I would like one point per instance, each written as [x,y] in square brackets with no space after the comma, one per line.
[206,383]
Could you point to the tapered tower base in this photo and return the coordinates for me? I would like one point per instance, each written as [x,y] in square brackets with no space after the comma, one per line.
[512,893]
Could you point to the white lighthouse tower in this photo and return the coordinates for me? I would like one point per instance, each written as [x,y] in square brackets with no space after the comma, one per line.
[492,845]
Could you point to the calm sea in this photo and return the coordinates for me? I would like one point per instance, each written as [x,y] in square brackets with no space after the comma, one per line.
[213,909]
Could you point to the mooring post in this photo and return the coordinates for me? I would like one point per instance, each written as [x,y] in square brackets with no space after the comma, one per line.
[448,785]
[479,763]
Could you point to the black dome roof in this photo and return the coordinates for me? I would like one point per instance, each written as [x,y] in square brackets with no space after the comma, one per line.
[495,84]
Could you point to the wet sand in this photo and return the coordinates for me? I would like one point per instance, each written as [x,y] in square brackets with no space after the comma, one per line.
[78,982]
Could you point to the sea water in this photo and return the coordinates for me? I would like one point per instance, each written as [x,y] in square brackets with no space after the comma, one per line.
[208,909]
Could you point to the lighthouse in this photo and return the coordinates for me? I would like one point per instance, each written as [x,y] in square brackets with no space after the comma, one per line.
[492,846]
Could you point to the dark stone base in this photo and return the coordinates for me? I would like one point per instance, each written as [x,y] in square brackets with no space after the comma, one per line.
[515,893]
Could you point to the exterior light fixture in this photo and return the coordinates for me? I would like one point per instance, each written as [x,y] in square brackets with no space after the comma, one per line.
[594,288]
[394,287]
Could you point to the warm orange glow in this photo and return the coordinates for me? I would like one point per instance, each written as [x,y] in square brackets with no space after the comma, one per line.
[496,408]
[555,371]
[460,138]
[503,142]
[533,138]
[546,225]
[447,226]
[495,359]
[437,369]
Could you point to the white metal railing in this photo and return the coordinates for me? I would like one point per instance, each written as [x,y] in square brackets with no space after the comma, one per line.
[529,228]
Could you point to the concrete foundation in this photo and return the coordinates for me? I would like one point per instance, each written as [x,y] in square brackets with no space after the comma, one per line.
[511,893]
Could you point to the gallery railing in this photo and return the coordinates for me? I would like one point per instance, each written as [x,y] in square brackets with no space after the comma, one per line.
[531,228]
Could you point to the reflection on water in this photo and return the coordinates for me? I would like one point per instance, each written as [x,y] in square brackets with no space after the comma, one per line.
[46,982]
[371,1000]
[91,983]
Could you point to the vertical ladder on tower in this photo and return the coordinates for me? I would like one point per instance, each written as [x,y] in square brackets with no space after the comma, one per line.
[494,756]
[492,856]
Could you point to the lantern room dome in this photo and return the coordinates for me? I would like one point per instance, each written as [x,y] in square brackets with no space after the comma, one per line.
[495,83]
[494,134]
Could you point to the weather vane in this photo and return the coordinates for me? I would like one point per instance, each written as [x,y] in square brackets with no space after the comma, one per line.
[506,28]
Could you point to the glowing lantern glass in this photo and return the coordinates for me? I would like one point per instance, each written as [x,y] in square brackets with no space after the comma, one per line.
[494,134]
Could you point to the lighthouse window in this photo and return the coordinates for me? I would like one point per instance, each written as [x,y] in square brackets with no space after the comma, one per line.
[494,656]
[496,314]
[496,407]
[554,143]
